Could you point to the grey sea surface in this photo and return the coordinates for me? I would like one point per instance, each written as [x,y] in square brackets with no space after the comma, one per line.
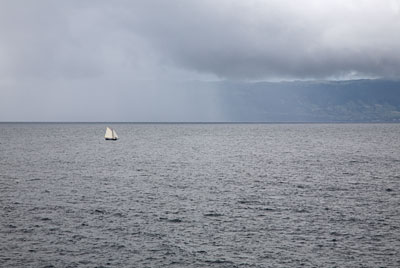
[200,195]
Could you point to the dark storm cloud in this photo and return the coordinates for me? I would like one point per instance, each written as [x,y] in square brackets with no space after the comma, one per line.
[264,39]
[232,39]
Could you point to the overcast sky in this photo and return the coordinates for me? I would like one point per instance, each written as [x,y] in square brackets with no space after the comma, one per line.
[73,60]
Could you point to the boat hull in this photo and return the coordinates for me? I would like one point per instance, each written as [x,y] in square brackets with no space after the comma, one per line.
[111,139]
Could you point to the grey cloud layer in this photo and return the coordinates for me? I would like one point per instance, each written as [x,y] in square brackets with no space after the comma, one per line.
[250,39]
[261,39]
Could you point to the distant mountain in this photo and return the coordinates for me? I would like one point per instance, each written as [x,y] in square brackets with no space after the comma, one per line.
[316,101]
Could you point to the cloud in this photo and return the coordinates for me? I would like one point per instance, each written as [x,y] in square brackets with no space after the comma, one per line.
[230,39]
[55,55]
[262,39]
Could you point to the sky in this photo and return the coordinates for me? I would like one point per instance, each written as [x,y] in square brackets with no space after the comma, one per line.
[127,60]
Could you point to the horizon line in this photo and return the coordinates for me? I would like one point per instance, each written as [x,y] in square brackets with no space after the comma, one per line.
[198,122]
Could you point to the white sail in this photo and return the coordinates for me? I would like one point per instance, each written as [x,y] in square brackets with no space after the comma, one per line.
[109,133]
[115,136]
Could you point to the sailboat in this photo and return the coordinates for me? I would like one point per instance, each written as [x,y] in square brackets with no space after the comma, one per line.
[111,134]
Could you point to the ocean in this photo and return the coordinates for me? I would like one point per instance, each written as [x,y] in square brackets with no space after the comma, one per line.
[200,195]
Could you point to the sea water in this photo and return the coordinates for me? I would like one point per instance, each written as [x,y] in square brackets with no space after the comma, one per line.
[200,195]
